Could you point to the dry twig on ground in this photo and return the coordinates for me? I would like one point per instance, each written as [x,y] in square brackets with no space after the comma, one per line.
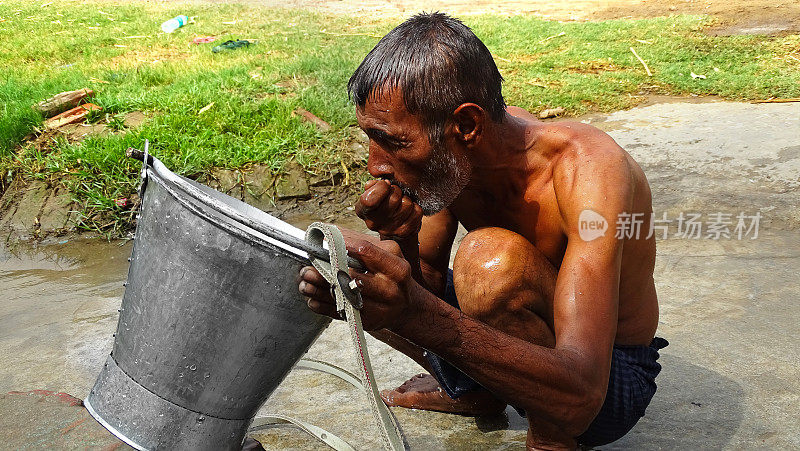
[649,74]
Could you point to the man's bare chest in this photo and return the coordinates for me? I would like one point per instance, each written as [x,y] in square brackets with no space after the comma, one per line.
[534,215]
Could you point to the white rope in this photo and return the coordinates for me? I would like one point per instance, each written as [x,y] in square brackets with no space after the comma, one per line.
[348,301]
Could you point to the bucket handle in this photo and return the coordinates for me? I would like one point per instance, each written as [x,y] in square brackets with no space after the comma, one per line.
[315,251]
[332,440]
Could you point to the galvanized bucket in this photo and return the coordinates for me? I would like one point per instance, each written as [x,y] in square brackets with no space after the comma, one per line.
[211,320]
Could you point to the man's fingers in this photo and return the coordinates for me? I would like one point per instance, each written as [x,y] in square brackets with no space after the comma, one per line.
[374,195]
[418,210]
[406,210]
[386,210]
[378,260]
[350,235]
[323,308]
[311,275]
[313,291]
[395,198]
[372,286]
[313,285]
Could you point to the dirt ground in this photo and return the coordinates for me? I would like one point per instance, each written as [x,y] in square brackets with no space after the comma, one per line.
[771,17]
[732,16]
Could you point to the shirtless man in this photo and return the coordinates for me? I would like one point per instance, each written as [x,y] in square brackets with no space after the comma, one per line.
[557,323]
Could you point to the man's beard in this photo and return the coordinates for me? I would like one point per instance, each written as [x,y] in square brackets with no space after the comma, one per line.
[440,183]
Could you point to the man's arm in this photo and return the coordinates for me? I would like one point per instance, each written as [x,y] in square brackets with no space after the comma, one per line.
[425,242]
[435,243]
[565,385]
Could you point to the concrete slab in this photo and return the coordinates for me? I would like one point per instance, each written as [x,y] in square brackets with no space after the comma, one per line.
[716,156]
[727,306]
[258,183]
[58,309]
[47,420]
[293,184]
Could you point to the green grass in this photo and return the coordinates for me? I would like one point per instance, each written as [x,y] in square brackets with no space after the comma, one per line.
[303,60]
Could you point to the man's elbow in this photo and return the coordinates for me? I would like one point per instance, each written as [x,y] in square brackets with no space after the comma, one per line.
[582,409]
[575,411]
[584,394]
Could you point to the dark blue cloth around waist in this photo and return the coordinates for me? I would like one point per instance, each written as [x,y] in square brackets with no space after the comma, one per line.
[631,385]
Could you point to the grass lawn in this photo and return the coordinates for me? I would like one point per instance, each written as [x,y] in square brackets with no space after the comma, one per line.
[303,60]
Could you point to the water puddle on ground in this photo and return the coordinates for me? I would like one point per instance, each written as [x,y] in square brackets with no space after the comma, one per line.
[58,310]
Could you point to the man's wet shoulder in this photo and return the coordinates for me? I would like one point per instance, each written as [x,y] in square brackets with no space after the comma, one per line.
[586,154]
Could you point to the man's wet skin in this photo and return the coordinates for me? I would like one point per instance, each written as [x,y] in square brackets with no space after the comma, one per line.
[547,306]
[423,392]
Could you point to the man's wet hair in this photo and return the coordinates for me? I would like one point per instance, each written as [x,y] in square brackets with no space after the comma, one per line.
[438,63]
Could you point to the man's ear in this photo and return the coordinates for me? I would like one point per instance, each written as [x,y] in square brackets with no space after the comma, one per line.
[469,120]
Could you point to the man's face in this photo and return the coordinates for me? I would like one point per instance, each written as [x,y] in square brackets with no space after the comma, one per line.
[401,152]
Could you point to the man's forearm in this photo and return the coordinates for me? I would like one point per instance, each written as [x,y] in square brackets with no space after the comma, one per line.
[543,381]
[401,344]
[409,246]
[421,271]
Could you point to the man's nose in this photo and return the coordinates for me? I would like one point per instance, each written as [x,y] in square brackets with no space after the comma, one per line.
[378,164]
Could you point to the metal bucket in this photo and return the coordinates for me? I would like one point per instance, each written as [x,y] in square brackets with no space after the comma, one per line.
[211,320]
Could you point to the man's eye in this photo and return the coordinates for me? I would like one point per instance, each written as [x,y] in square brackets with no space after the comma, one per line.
[397,144]
[391,143]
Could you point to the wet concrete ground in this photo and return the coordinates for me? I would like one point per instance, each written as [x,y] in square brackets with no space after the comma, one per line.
[728,306]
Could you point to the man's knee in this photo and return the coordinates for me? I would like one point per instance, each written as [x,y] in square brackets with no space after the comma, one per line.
[496,269]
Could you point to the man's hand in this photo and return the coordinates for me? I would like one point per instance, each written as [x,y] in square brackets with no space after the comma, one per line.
[387,288]
[385,210]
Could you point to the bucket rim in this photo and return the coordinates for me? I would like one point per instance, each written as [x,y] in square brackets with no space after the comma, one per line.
[88,405]
[244,222]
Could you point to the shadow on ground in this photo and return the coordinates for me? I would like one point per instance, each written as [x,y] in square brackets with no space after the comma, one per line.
[693,405]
